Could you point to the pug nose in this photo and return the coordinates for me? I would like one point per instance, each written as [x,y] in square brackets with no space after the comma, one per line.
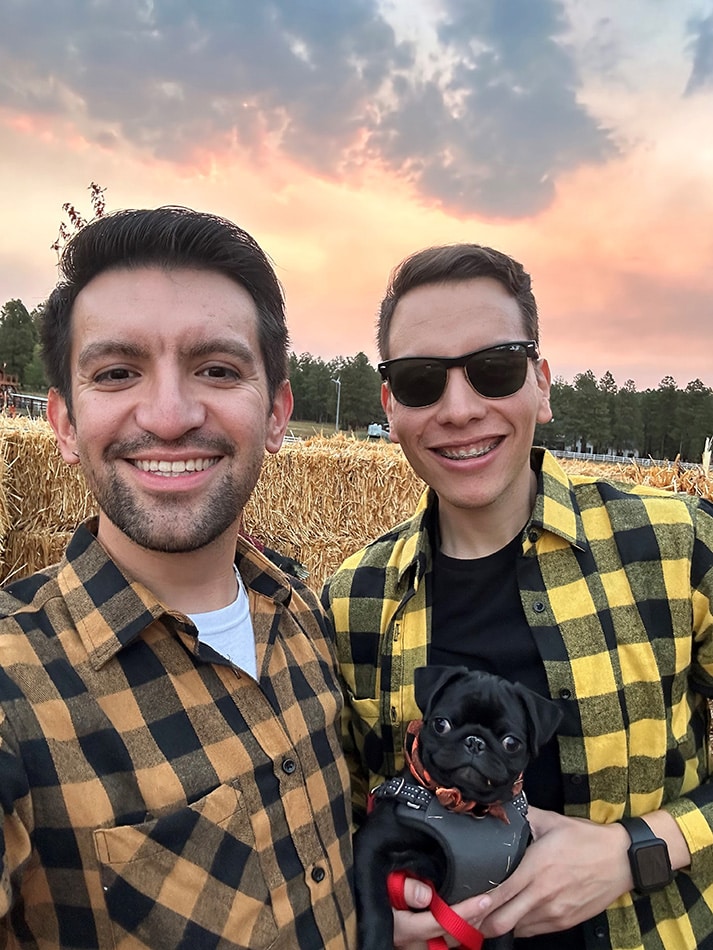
[475,745]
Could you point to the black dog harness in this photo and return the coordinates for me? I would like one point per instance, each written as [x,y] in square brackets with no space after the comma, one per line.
[480,850]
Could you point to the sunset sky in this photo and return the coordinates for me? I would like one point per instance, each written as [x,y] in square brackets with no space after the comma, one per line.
[576,135]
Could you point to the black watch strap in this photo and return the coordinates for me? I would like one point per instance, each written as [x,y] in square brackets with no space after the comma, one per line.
[648,857]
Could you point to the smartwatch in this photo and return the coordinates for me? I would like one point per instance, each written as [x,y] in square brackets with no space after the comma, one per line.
[648,857]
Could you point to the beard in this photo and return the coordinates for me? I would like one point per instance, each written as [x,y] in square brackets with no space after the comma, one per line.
[172,523]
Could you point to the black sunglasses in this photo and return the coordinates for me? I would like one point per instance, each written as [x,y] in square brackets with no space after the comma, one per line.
[493,372]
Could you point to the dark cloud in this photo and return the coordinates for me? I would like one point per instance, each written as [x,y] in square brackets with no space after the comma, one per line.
[489,130]
[701,32]
[505,121]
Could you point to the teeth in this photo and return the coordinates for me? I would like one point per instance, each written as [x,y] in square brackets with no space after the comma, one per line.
[468,453]
[172,469]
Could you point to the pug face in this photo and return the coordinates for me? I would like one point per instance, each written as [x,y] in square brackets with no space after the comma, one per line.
[479,730]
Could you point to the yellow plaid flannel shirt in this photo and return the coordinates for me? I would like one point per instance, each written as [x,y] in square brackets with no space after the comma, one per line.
[153,796]
[616,584]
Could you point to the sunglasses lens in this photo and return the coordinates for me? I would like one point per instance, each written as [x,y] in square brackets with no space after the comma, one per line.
[416,382]
[498,372]
[494,372]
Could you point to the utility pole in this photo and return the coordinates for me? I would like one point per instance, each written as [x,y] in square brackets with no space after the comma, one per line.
[338,383]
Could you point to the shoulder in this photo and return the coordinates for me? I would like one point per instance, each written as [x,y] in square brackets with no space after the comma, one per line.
[593,490]
[261,574]
[365,573]
[589,508]
[29,593]
[33,614]
[661,505]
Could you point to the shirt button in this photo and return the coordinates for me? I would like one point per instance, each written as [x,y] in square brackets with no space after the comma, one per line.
[538,606]
[575,779]
[565,693]
[600,933]
[532,535]
[289,766]
[318,875]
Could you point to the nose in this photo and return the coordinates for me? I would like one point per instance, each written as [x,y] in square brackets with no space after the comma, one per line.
[170,406]
[460,402]
[475,745]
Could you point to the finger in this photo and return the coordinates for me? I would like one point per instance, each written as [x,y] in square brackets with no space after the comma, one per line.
[417,894]
[412,928]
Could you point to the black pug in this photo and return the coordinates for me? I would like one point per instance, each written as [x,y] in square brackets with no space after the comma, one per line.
[456,815]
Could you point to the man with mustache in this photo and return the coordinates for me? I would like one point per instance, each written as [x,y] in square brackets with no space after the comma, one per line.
[170,766]
[592,595]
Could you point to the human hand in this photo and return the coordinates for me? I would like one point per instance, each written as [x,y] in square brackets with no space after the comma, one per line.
[412,929]
[572,871]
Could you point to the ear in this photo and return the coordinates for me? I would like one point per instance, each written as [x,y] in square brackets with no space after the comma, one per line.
[429,682]
[63,427]
[282,406]
[544,382]
[543,715]
[387,404]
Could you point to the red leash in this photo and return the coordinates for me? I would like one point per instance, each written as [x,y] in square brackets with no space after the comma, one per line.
[470,938]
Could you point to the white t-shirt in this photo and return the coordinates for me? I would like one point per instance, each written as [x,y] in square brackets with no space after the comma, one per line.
[229,631]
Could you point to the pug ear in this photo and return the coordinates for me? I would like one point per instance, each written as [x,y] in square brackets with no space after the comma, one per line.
[429,681]
[543,715]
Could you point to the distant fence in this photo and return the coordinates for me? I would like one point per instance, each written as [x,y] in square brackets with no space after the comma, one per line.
[33,406]
[622,459]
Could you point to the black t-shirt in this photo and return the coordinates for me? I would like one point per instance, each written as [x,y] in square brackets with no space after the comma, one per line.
[478,622]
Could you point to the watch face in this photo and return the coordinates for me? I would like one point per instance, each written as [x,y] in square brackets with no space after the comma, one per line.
[653,865]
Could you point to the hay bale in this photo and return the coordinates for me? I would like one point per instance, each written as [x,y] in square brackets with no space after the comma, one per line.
[316,501]
[41,492]
[670,477]
[5,515]
[320,500]
[28,550]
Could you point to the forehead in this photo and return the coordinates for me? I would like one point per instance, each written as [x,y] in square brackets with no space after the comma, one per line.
[449,319]
[490,704]
[163,307]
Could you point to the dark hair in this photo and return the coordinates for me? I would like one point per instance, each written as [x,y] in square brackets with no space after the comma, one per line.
[453,263]
[165,237]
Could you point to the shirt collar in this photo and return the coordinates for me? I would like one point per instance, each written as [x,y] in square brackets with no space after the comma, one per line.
[107,608]
[260,574]
[556,510]
[110,610]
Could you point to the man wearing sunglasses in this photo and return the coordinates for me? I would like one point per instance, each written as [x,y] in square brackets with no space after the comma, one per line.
[594,596]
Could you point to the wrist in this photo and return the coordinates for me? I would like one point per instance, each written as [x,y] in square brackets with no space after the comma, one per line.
[665,826]
[648,856]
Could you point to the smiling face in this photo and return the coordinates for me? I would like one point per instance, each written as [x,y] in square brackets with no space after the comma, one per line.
[473,451]
[171,413]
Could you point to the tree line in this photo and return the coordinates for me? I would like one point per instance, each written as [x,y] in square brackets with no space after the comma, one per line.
[597,415]
[20,345]
[590,414]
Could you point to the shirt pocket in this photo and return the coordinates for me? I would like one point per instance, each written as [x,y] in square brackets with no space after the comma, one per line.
[188,879]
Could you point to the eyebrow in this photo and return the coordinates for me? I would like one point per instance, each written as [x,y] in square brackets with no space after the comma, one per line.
[104,348]
[128,350]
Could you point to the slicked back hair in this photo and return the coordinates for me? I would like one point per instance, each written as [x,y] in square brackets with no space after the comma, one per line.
[452,263]
[168,237]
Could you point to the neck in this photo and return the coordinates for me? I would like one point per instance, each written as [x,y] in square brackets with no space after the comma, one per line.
[190,582]
[470,533]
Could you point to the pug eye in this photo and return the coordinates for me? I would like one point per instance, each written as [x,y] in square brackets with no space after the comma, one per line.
[441,726]
[512,744]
